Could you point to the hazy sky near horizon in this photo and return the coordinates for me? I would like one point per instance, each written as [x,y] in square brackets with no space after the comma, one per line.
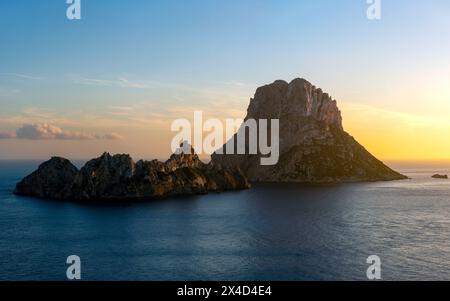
[114,80]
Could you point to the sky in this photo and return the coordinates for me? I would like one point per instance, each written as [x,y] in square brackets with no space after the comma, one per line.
[116,79]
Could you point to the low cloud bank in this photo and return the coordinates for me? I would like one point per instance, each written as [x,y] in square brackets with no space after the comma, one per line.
[7,135]
[50,132]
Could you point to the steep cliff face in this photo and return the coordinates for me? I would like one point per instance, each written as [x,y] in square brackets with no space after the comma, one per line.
[118,177]
[314,148]
[296,100]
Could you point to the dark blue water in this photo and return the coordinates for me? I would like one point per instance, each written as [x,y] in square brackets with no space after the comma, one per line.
[277,232]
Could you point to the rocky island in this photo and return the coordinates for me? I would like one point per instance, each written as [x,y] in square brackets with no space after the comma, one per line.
[438,176]
[314,148]
[118,177]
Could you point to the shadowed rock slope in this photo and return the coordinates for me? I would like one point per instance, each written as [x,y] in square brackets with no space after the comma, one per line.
[314,148]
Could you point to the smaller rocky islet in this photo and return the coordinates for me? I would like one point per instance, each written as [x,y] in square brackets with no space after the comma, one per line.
[118,177]
[438,176]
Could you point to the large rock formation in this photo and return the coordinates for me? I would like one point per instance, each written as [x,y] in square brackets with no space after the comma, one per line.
[120,178]
[314,148]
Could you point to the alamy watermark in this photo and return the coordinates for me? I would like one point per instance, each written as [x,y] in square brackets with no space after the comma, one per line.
[374,270]
[74,270]
[374,9]
[258,140]
[73,11]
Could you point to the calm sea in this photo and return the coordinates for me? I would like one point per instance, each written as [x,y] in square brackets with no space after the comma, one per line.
[272,232]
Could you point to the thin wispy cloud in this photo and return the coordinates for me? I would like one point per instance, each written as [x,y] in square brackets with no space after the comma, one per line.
[213,90]
[120,82]
[395,118]
[235,83]
[170,100]
[147,112]
[37,113]
[23,76]
[142,111]
[6,92]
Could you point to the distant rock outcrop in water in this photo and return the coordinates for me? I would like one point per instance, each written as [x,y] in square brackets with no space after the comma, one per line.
[438,176]
[120,178]
[314,148]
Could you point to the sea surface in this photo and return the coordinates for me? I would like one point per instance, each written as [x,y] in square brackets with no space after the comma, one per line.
[271,232]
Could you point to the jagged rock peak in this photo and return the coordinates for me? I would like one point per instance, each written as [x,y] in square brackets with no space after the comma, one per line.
[184,156]
[122,165]
[299,97]
[313,146]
